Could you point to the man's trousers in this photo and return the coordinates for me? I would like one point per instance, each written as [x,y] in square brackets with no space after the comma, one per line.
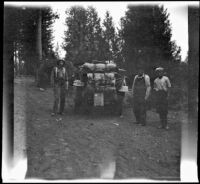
[139,109]
[59,98]
[162,106]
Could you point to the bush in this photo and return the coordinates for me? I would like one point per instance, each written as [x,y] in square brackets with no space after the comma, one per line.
[178,97]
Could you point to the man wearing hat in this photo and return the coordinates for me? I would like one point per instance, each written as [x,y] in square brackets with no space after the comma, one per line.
[141,90]
[161,87]
[59,81]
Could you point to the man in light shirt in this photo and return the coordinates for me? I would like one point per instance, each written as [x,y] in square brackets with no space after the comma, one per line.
[141,90]
[161,87]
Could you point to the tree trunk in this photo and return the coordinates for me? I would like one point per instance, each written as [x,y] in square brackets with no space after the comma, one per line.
[39,45]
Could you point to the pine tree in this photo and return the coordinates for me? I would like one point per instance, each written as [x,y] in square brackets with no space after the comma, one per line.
[27,35]
[83,39]
[48,18]
[110,37]
[75,41]
[57,51]
[146,32]
[94,34]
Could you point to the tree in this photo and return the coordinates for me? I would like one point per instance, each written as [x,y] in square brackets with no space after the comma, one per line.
[146,32]
[75,36]
[30,34]
[57,51]
[28,40]
[110,38]
[33,26]
[94,35]
[48,18]
[83,39]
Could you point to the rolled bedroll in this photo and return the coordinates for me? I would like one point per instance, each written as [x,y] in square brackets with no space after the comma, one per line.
[100,67]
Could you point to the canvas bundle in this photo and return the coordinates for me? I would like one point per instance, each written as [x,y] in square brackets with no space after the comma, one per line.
[100,67]
[106,78]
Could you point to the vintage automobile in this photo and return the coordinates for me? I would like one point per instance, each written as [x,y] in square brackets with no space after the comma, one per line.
[95,86]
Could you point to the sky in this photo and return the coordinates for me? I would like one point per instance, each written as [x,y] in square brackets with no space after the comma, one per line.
[178,16]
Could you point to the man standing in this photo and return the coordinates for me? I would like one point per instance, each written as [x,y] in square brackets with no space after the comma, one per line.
[120,95]
[141,90]
[161,87]
[59,81]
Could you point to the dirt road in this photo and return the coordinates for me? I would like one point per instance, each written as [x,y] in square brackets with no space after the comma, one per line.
[98,145]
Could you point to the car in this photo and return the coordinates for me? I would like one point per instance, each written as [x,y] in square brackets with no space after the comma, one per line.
[95,86]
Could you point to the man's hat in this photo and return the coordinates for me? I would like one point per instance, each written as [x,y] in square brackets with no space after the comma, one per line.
[60,60]
[159,69]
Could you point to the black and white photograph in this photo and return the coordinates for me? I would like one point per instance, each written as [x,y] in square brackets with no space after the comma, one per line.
[100,91]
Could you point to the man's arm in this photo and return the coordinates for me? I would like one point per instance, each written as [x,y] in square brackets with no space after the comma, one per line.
[168,86]
[148,87]
[66,75]
[155,85]
[133,84]
[168,83]
[66,80]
